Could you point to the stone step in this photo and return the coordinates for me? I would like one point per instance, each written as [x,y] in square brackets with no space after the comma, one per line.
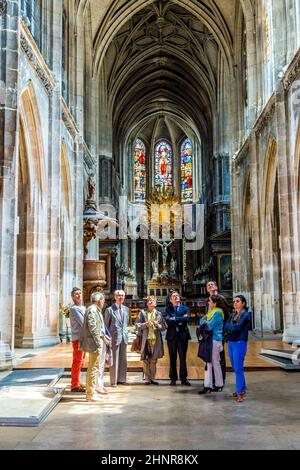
[282,362]
[287,354]
[27,405]
[288,360]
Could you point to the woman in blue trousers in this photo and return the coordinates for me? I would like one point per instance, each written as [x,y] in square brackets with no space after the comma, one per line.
[237,329]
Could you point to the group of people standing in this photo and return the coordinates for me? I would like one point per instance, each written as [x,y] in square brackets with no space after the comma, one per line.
[103,333]
[233,328]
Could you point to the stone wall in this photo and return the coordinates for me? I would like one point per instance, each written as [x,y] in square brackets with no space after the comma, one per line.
[45,164]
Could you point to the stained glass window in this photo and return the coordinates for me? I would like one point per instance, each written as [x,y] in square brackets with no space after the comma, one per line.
[163,164]
[139,171]
[187,171]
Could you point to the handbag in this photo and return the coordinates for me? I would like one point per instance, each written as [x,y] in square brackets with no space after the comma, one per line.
[137,344]
[109,357]
[205,339]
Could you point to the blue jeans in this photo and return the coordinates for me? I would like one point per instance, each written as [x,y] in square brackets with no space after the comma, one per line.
[237,353]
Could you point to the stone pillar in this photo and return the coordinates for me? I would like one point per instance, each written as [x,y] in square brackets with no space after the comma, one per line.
[235,221]
[285,177]
[9,60]
[252,83]
[258,286]
[78,211]
[133,256]
[125,252]
[105,179]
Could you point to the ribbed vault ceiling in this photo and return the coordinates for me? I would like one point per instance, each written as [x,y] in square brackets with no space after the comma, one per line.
[162,58]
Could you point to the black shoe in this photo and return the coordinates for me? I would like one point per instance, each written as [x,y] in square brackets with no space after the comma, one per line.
[205,390]
[122,383]
[173,382]
[153,382]
[79,389]
[217,389]
[186,382]
[147,383]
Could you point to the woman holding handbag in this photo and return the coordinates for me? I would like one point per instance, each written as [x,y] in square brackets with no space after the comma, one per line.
[213,322]
[149,326]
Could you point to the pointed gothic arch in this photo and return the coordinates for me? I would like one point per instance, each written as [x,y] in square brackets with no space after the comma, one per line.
[271,254]
[31,314]
[269,178]
[33,138]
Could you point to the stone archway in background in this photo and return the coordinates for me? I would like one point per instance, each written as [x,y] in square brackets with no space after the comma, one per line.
[32,297]
[271,253]
[66,228]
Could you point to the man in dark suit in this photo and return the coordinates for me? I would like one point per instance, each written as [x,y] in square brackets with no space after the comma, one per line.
[178,336]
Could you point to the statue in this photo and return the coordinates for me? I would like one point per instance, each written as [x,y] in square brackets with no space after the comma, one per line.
[173,265]
[155,268]
[228,279]
[91,187]
[164,246]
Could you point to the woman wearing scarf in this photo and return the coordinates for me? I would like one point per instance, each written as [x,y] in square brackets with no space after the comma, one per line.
[237,329]
[214,323]
[149,325]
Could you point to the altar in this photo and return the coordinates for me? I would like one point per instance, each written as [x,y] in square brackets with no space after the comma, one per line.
[164,274]
[160,288]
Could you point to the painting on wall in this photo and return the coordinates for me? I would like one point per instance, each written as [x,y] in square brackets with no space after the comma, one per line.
[225,272]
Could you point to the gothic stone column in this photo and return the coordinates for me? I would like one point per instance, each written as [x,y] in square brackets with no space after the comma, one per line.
[78,208]
[256,236]
[285,177]
[9,59]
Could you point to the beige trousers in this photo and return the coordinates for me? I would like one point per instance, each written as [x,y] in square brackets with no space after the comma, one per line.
[92,373]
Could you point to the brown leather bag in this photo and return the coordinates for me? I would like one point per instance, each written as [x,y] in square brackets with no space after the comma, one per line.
[137,344]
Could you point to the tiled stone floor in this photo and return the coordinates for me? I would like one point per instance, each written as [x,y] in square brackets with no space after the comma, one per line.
[141,417]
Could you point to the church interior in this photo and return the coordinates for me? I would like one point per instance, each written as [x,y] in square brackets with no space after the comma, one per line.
[111,107]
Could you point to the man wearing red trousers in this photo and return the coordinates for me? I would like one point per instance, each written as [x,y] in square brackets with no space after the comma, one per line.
[76,318]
